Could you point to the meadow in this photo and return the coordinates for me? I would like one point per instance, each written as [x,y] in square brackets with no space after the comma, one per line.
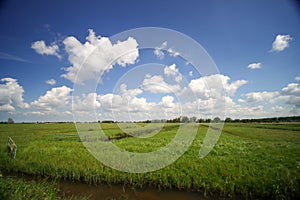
[249,160]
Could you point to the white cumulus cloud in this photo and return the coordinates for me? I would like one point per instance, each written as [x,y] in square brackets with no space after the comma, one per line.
[58,97]
[159,51]
[129,93]
[260,96]
[281,42]
[51,81]
[173,53]
[156,84]
[291,89]
[11,95]
[173,71]
[127,106]
[214,86]
[297,78]
[97,55]
[167,101]
[88,102]
[41,48]
[254,65]
[124,105]
[289,95]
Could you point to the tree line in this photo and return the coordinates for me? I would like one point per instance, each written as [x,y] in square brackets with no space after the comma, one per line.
[186,119]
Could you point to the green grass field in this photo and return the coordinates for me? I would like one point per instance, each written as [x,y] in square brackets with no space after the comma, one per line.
[249,160]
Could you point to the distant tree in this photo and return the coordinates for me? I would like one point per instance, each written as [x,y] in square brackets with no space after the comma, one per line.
[108,121]
[201,120]
[228,120]
[245,120]
[184,119]
[10,121]
[176,120]
[217,119]
[236,120]
[193,119]
[208,120]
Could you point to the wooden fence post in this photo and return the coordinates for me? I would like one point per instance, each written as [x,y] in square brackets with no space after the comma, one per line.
[12,148]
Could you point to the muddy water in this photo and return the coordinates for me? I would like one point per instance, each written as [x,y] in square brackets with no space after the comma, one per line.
[116,192]
[105,192]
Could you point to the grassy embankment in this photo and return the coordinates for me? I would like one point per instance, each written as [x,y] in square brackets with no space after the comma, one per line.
[252,160]
[12,188]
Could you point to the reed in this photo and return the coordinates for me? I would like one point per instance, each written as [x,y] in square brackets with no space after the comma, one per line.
[251,160]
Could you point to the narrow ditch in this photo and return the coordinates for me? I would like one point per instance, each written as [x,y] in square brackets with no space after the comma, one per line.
[103,191]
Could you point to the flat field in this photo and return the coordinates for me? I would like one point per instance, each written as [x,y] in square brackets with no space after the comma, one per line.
[248,161]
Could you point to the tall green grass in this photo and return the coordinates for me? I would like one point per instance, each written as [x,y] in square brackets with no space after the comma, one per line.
[248,160]
[12,188]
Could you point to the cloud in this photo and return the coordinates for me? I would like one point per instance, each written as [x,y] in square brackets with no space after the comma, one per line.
[128,105]
[138,105]
[125,105]
[231,88]
[214,95]
[128,94]
[259,97]
[97,56]
[121,101]
[214,86]
[173,53]
[11,95]
[156,84]
[7,108]
[254,65]
[294,101]
[173,71]
[291,89]
[297,78]
[51,81]
[88,102]
[241,112]
[278,109]
[289,95]
[158,51]
[167,101]
[58,97]
[111,101]
[41,48]
[281,42]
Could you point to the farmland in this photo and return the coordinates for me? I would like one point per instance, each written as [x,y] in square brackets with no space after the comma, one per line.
[249,160]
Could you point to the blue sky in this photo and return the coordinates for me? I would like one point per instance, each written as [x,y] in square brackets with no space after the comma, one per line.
[35,35]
